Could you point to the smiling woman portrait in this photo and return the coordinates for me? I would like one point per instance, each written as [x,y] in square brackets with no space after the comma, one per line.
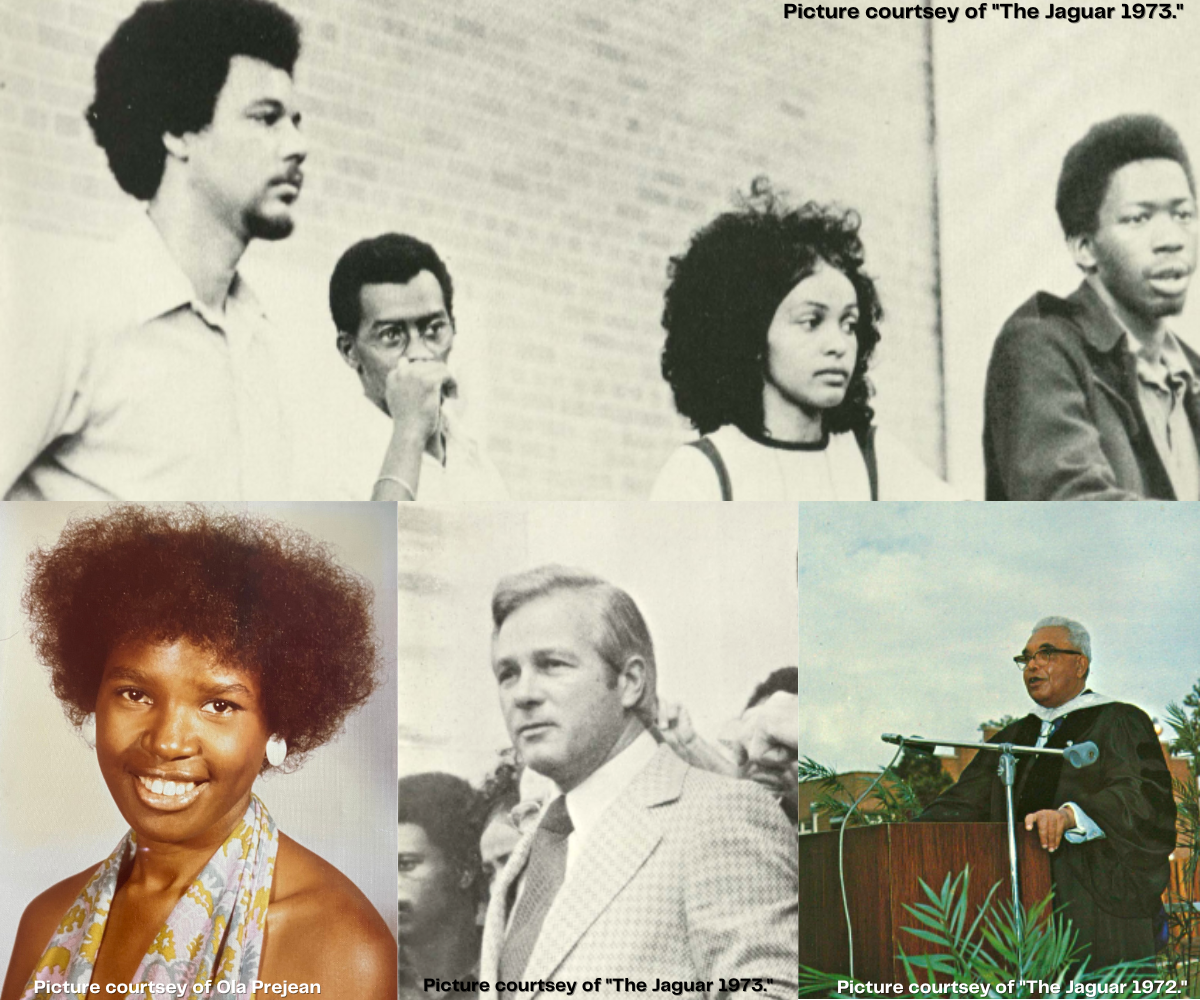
[771,324]
[196,650]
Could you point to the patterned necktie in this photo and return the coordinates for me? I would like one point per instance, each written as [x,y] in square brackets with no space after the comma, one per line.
[543,877]
[1049,728]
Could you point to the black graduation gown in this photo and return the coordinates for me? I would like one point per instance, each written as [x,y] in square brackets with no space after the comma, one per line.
[1110,887]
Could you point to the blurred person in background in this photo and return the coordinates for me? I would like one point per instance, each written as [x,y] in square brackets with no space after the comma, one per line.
[768,735]
[760,744]
[440,880]
[499,796]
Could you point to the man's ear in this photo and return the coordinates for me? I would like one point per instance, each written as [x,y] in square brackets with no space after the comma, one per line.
[177,146]
[1085,665]
[632,679]
[347,345]
[1082,251]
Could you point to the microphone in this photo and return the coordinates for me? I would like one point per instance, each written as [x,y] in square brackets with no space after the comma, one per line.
[915,742]
[1078,755]
[1082,754]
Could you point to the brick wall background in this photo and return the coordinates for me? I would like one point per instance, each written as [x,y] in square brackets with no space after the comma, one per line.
[556,154]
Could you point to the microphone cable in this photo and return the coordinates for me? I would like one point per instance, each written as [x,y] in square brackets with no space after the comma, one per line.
[842,848]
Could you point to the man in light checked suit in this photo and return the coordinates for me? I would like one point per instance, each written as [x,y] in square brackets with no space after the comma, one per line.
[645,868]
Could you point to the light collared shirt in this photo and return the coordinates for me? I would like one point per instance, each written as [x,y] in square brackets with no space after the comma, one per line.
[146,394]
[464,473]
[1085,827]
[1163,384]
[587,801]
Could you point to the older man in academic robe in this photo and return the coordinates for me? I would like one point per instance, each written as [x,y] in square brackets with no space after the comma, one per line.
[1110,827]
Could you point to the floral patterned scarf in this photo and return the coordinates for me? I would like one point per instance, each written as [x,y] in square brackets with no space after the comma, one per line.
[215,931]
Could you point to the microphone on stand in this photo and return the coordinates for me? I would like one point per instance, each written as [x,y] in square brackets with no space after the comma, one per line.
[1077,754]
[1082,754]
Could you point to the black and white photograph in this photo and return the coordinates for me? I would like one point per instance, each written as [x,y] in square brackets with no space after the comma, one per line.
[597,747]
[339,249]
[198,732]
[964,668]
[299,277]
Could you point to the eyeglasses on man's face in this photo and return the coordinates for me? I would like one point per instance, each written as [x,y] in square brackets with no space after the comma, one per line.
[1043,656]
[434,333]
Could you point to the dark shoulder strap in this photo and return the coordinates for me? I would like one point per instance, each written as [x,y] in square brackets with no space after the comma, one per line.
[709,450]
[866,444]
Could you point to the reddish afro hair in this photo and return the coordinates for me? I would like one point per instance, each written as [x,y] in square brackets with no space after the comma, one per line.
[255,593]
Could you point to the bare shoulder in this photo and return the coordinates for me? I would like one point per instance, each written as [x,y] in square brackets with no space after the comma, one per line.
[38,924]
[322,929]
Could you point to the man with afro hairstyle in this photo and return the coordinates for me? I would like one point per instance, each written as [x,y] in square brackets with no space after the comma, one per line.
[1093,397]
[165,384]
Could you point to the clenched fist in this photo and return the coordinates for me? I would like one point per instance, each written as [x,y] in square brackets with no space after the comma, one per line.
[414,392]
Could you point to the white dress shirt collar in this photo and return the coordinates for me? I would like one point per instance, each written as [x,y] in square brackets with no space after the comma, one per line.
[1085,699]
[588,800]
[161,286]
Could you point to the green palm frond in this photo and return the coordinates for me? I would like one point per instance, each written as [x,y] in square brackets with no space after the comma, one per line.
[998,945]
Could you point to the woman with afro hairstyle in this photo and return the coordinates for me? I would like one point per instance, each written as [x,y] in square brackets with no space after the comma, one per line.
[771,323]
[198,649]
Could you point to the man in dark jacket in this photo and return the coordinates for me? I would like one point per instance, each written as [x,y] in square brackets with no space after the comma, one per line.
[1110,827]
[1092,397]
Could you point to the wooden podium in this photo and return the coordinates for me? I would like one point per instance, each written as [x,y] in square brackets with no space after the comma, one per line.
[883,865]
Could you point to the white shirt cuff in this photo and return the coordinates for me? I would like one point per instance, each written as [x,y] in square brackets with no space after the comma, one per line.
[1085,827]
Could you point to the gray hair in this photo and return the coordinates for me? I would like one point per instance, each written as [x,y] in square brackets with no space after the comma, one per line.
[1079,634]
[621,630]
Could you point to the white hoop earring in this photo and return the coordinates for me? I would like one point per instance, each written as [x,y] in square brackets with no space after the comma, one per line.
[87,729]
[276,750]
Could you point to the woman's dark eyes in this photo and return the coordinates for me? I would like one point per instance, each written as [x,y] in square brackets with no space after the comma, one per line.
[222,707]
[219,706]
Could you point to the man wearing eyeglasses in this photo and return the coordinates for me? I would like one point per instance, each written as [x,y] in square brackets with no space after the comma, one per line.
[1110,827]
[393,304]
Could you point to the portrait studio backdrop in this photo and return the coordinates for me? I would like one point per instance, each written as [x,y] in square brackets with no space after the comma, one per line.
[57,816]
[715,584]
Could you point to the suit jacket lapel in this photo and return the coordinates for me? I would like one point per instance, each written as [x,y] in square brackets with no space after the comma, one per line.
[626,836]
[496,921]
[1115,373]
[1191,401]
